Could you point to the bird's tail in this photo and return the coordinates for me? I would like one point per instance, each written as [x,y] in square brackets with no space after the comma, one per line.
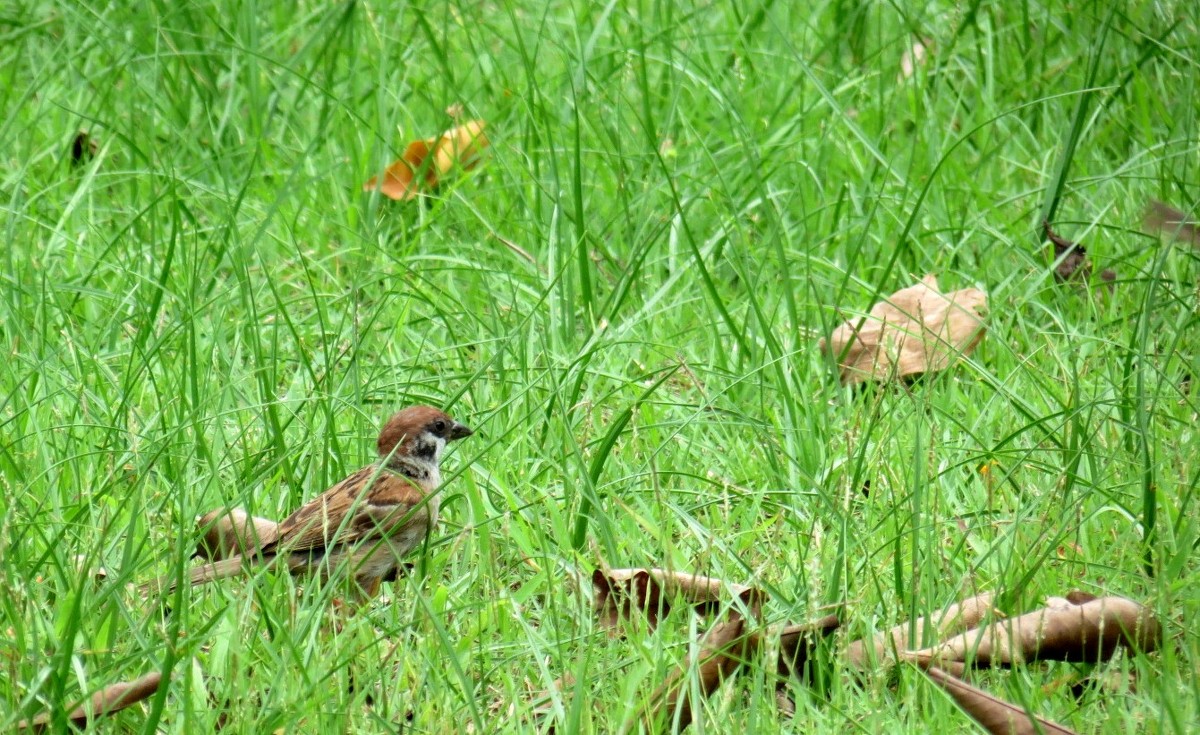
[202,574]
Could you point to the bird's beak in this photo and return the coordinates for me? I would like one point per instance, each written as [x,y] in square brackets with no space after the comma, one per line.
[460,431]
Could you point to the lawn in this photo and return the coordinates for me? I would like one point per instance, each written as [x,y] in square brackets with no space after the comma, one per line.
[201,307]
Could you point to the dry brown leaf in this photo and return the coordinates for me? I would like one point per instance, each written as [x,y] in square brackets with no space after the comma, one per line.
[228,532]
[83,148]
[723,650]
[108,700]
[915,330]
[798,642]
[995,715]
[425,162]
[694,588]
[956,618]
[1090,632]
[615,599]
[1079,597]
[618,592]
[1071,258]
[1169,221]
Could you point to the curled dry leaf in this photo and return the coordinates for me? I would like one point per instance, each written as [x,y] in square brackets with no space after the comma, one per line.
[956,618]
[1079,597]
[83,148]
[1071,259]
[915,330]
[1090,632]
[615,599]
[1169,221]
[694,588]
[618,592]
[425,162]
[994,714]
[108,700]
[723,650]
[233,531]
[798,643]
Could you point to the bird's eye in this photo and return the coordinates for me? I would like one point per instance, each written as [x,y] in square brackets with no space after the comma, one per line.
[439,426]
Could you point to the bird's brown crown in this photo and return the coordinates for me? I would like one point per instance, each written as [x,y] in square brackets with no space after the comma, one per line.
[412,422]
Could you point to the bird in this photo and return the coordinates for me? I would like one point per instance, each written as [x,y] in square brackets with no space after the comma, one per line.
[367,522]
[231,531]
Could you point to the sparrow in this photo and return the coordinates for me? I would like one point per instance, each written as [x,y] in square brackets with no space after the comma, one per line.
[366,522]
[231,531]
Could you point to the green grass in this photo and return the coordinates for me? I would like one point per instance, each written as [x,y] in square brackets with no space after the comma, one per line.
[210,312]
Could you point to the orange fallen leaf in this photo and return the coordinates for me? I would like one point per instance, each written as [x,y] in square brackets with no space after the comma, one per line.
[425,162]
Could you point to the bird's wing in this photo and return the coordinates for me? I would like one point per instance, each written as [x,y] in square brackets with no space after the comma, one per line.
[367,504]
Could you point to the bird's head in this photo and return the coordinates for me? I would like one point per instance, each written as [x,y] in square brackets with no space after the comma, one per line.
[420,432]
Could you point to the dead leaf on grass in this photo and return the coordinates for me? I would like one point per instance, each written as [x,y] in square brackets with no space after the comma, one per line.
[994,714]
[1088,632]
[615,599]
[83,148]
[110,699]
[1170,222]
[798,645]
[1071,259]
[915,330]
[723,650]
[956,618]
[1079,597]
[425,163]
[695,588]
[619,592]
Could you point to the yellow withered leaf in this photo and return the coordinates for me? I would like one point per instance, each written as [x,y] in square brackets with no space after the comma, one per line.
[425,162]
